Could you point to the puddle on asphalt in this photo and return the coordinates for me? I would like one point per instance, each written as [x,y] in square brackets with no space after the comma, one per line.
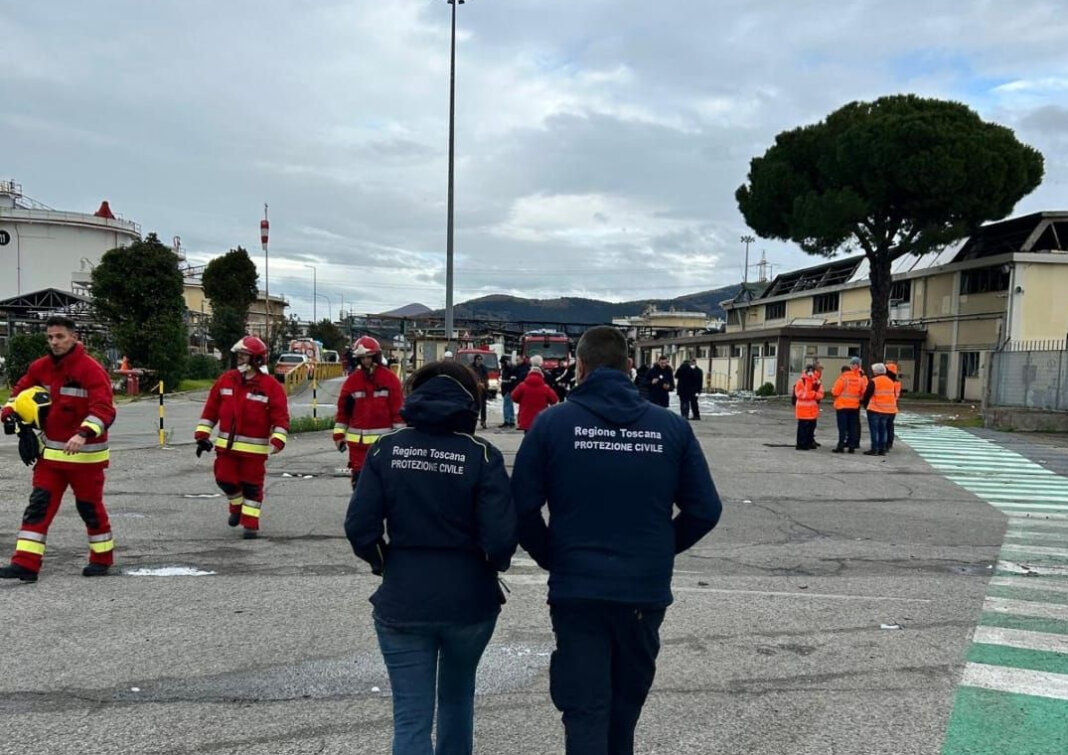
[167,571]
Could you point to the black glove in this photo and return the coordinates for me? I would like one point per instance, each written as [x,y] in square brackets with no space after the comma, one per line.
[10,425]
[342,446]
[29,446]
[203,445]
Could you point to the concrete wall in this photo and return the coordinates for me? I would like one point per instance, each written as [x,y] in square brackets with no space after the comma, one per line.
[1043,301]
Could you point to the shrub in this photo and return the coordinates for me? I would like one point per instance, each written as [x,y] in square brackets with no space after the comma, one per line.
[203,367]
[768,389]
[22,349]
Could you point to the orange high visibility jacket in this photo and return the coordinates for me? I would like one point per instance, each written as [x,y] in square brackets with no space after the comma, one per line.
[884,397]
[807,406]
[849,389]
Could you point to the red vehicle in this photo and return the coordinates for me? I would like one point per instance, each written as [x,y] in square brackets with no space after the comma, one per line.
[553,346]
[492,364]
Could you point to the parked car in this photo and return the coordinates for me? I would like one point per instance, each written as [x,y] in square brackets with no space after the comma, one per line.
[288,362]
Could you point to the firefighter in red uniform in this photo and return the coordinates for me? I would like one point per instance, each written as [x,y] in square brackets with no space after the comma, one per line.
[252,413]
[369,405]
[73,396]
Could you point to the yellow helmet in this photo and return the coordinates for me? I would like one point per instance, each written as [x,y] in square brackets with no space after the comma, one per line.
[32,405]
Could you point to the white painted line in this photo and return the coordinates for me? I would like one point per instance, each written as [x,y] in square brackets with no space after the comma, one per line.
[1015,680]
[772,594]
[1026,608]
[1038,570]
[1036,523]
[1035,550]
[1018,537]
[1016,505]
[1030,583]
[1019,638]
[1051,519]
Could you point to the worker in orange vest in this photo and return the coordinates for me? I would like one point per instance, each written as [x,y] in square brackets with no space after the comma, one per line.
[807,393]
[891,372]
[880,400]
[848,389]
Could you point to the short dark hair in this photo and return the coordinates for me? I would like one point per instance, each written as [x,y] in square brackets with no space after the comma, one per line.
[459,372]
[603,346]
[60,321]
[662,356]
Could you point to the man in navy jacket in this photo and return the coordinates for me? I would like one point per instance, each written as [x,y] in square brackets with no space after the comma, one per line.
[611,467]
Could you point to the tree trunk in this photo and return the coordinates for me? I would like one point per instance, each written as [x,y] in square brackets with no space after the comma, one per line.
[879,277]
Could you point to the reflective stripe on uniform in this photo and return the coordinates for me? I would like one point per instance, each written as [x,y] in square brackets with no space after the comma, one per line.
[384,392]
[88,448]
[101,543]
[359,394]
[29,535]
[365,437]
[79,458]
[71,391]
[251,508]
[226,391]
[279,436]
[206,429]
[256,397]
[30,546]
[340,427]
[248,448]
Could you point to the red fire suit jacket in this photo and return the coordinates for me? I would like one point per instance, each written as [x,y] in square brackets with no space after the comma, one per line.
[368,406]
[82,402]
[252,415]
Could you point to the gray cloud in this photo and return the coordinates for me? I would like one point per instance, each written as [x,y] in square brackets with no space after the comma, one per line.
[598,143]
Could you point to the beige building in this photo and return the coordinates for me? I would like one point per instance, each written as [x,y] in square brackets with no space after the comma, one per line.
[949,312]
[199,308]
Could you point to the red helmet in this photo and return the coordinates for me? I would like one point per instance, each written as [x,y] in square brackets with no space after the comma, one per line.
[252,346]
[366,347]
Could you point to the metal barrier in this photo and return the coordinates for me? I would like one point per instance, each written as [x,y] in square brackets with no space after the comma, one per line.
[297,378]
[1032,379]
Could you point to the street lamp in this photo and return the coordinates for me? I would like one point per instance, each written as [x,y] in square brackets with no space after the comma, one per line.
[315,312]
[329,304]
[448,233]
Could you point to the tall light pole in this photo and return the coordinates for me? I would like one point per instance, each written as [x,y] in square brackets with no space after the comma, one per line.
[315,299]
[747,240]
[329,305]
[448,233]
[265,228]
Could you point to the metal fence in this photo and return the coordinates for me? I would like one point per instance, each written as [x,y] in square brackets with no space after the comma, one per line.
[1030,378]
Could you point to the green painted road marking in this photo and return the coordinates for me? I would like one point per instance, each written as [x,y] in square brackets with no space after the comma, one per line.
[986,722]
[1013,694]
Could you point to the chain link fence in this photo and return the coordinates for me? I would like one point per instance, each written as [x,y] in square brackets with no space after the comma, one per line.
[1031,378]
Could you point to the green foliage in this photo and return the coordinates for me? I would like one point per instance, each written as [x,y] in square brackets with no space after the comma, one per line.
[22,349]
[202,367]
[768,389]
[280,337]
[138,292]
[201,384]
[230,286]
[308,424]
[331,336]
[900,175]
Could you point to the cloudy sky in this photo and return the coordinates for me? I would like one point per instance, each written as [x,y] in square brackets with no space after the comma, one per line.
[598,142]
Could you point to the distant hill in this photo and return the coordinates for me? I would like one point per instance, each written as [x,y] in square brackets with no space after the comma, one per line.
[577,310]
[408,310]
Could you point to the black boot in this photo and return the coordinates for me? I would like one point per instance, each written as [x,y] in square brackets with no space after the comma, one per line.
[871,452]
[95,570]
[14,571]
[838,450]
[235,519]
[250,534]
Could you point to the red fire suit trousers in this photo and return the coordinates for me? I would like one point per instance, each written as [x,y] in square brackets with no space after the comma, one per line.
[50,481]
[241,477]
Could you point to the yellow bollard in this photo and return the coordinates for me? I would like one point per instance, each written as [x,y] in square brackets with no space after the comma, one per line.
[161,437]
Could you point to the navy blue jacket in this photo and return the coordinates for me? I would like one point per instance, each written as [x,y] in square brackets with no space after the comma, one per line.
[443,497]
[611,465]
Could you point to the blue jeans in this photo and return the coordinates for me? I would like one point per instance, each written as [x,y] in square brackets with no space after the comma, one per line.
[509,409]
[877,429]
[427,661]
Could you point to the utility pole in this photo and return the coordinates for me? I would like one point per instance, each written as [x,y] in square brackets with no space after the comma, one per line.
[747,240]
[264,232]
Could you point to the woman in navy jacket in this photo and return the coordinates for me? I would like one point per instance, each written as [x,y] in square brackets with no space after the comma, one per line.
[433,515]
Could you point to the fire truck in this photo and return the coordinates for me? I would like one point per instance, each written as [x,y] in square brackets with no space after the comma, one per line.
[553,346]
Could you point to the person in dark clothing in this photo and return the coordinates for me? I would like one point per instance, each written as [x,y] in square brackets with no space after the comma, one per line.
[661,381]
[891,372]
[522,370]
[641,380]
[508,382]
[611,468]
[689,378]
[563,380]
[478,366]
[443,495]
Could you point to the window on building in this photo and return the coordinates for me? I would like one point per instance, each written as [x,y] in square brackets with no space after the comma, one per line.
[736,350]
[775,311]
[770,349]
[854,351]
[832,351]
[901,292]
[985,280]
[970,363]
[733,318]
[823,303]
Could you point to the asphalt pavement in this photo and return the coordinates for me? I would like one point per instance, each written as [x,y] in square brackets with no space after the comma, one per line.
[830,612]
